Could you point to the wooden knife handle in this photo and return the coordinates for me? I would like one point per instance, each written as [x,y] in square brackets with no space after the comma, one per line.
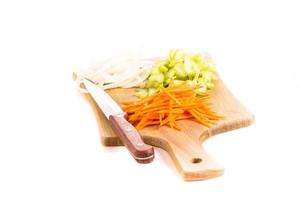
[141,152]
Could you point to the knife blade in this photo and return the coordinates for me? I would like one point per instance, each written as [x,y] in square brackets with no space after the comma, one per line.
[140,151]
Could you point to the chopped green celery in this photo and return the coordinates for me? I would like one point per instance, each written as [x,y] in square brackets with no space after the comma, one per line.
[201,82]
[195,67]
[177,82]
[155,70]
[209,76]
[167,81]
[180,67]
[188,67]
[142,92]
[210,85]
[197,58]
[163,69]
[201,90]
[154,84]
[176,56]
[152,91]
[155,80]
[191,83]
[170,74]
[179,72]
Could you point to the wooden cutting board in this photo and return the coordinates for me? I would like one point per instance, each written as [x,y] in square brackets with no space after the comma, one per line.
[184,147]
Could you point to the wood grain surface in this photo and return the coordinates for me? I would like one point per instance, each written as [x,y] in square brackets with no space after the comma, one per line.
[184,147]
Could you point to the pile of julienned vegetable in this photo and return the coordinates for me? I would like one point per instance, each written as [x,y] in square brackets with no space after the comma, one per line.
[176,102]
[175,89]
[194,69]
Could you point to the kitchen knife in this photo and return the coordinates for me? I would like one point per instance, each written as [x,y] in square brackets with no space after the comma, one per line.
[141,152]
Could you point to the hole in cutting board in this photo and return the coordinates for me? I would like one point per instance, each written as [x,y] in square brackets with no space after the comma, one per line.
[196,160]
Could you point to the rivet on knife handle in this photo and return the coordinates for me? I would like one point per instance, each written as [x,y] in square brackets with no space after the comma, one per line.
[141,152]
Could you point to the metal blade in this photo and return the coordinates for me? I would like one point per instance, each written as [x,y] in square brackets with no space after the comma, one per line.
[104,101]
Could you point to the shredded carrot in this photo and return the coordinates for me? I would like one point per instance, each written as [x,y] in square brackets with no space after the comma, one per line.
[170,105]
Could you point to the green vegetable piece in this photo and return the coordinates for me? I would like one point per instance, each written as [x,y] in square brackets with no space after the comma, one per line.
[152,91]
[179,72]
[191,83]
[210,85]
[170,74]
[153,84]
[157,78]
[196,68]
[163,69]
[142,92]
[188,68]
[201,90]
[177,82]
[176,56]
[155,70]
[167,82]
[197,58]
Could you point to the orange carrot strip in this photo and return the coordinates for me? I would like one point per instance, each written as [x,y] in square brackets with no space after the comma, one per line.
[170,105]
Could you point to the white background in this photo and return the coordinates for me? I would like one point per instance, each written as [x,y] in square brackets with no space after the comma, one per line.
[49,142]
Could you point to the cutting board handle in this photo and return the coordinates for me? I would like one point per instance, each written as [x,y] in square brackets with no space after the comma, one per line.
[189,157]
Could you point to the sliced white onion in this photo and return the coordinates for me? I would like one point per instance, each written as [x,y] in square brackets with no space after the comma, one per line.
[122,72]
